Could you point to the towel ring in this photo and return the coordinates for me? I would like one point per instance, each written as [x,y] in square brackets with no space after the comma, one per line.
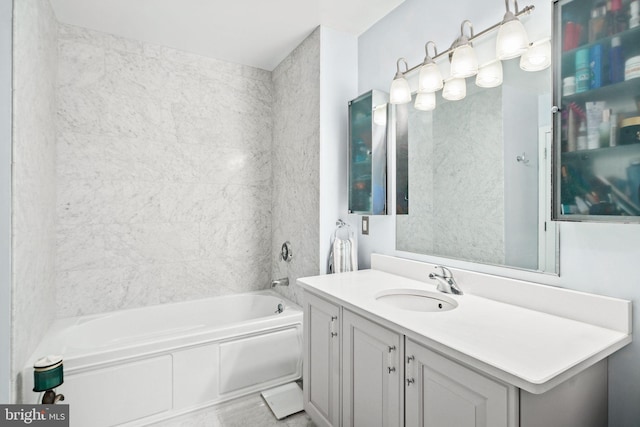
[341,225]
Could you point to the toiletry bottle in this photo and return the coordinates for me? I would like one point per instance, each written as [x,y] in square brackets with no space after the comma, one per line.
[605,128]
[582,142]
[634,14]
[617,20]
[568,85]
[595,66]
[583,71]
[616,61]
[597,22]
[572,130]
[613,133]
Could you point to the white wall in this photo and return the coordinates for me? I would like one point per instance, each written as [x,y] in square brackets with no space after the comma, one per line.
[6,28]
[163,174]
[33,192]
[597,258]
[338,85]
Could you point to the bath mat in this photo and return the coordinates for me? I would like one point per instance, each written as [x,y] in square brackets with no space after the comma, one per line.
[284,400]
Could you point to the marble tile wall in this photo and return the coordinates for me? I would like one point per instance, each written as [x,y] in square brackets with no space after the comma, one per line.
[296,163]
[164,175]
[33,178]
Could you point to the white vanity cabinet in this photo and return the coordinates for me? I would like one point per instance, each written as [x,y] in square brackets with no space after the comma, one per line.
[440,392]
[321,391]
[372,374]
[535,358]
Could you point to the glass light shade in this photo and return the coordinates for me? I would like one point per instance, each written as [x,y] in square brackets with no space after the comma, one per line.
[464,62]
[537,57]
[430,78]
[425,101]
[399,92]
[490,74]
[454,89]
[512,40]
[380,115]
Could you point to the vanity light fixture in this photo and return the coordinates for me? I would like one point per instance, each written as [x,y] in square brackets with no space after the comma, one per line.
[430,78]
[537,57]
[512,39]
[490,74]
[400,93]
[464,62]
[454,89]
[425,101]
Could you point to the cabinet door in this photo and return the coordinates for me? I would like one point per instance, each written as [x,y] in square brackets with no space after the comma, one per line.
[368,154]
[321,361]
[442,393]
[597,132]
[372,374]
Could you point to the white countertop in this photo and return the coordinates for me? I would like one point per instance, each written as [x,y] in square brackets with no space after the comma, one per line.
[530,349]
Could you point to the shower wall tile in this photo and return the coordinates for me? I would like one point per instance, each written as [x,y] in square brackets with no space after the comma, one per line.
[33,179]
[296,163]
[163,174]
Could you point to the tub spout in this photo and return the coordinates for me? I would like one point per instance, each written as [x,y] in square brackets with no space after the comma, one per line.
[282,282]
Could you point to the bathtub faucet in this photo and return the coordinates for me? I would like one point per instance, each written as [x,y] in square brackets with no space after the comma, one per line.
[282,282]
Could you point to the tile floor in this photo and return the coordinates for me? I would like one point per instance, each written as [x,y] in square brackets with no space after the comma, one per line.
[250,411]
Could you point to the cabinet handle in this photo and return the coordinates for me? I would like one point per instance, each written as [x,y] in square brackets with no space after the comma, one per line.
[410,381]
[555,109]
[392,348]
[331,327]
[391,369]
[410,358]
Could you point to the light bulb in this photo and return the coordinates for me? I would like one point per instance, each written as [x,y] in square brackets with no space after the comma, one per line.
[464,62]
[512,39]
[454,89]
[380,115]
[490,74]
[425,101]
[537,57]
[400,93]
[430,78]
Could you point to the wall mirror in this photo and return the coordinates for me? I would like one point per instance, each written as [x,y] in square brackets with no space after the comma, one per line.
[473,176]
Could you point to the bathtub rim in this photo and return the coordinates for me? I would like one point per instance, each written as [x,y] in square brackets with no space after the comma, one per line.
[291,315]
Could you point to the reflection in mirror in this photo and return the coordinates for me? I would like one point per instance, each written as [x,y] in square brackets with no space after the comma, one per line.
[473,177]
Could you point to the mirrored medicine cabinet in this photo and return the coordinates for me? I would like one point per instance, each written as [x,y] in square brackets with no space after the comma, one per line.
[597,120]
[368,117]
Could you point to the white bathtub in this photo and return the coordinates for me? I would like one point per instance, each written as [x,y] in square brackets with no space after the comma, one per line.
[140,366]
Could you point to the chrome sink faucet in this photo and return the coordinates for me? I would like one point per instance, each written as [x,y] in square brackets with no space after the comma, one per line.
[446,282]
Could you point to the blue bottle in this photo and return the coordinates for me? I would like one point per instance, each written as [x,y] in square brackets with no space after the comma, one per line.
[595,65]
[583,71]
[616,61]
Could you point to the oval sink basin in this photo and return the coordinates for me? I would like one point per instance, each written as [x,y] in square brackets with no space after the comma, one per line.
[417,300]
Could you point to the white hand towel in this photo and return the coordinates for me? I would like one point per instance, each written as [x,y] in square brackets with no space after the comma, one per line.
[344,256]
